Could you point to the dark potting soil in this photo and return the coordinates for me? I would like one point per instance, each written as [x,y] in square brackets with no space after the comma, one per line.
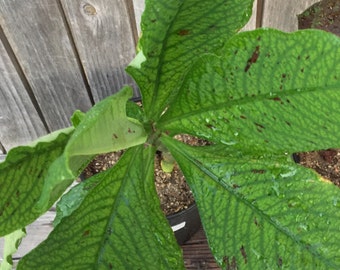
[172,189]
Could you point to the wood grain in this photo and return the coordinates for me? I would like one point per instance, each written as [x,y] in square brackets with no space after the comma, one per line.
[19,121]
[283,14]
[37,34]
[251,25]
[104,40]
[197,254]
[36,233]
[139,6]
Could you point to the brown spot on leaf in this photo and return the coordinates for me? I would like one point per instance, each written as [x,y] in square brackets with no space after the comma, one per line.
[253,58]
[258,171]
[210,126]
[183,32]
[235,186]
[110,266]
[243,117]
[86,233]
[279,262]
[276,99]
[256,222]
[114,136]
[244,254]
[131,131]
[259,125]
[230,265]
[289,124]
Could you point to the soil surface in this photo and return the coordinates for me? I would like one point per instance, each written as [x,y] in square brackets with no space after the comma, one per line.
[324,15]
[172,189]
[325,162]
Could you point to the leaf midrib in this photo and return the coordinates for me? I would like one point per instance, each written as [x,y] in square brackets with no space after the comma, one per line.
[114,208]
[166,121]
[161,65]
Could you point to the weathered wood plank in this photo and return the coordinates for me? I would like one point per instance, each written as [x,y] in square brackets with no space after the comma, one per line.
[139,6]
[104,39]
[283,14]
[19,121]
[2,150]
[251,25]
[36,31]
[197,254]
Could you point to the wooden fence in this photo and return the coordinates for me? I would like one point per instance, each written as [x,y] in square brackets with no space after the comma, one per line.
[60,55]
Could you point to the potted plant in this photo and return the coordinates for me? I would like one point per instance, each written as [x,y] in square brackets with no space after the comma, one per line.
[176,198]
[257,96]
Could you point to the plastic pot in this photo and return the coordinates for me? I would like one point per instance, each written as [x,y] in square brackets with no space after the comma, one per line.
[185,223]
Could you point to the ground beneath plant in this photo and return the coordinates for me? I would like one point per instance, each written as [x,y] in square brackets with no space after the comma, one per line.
[172,189]
[325,162]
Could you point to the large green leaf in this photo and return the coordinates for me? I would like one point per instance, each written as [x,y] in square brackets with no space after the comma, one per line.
[174,34]
[104,128]
[119,225]
[262,212]
[22,177]
[271,91]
